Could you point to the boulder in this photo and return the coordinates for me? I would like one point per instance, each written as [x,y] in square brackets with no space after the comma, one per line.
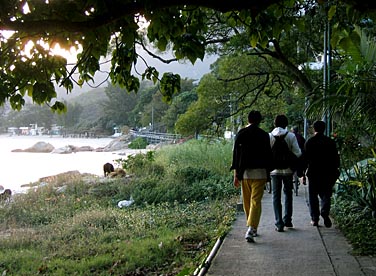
[42,147]
[62,177]
[72,149]
[118,143]
[84,148]
[63,150]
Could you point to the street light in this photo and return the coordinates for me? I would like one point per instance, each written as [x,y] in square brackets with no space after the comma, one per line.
[326,71]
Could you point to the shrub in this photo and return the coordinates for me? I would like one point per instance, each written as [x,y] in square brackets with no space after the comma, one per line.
[142,164]
[177,174]
[354,207]
[357,225]
[190,175]
[138,143]
[359,185]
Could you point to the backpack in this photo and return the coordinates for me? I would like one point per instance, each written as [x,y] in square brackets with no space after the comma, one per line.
[283,158]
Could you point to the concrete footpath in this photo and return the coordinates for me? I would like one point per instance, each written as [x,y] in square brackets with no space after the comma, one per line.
[301,250]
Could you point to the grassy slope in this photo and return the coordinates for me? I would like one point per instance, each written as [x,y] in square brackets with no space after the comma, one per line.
[74,227]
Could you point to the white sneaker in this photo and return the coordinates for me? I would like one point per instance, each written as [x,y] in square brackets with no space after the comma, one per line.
[253,232]
[249,236]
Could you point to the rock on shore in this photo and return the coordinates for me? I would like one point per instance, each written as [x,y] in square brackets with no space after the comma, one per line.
[42,147]
[119,143]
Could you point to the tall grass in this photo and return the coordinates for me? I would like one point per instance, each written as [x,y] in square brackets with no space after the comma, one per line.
[211,155]
[74,227]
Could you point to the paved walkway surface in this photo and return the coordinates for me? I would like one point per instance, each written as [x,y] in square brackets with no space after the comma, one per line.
[303,250]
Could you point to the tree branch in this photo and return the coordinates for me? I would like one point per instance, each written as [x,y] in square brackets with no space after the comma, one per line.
[167,61]
[299,76]
[119,10]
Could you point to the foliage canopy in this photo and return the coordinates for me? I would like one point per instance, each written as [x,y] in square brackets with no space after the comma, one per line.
[102,30]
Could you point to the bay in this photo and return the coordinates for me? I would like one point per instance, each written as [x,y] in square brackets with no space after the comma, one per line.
[20,168]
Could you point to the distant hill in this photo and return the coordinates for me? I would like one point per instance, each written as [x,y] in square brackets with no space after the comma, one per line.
[88,97]
[91,102]
[76,92]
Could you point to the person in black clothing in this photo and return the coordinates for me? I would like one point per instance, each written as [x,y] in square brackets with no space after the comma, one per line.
[301,165]
[251,163]
[323,163]
[299,137]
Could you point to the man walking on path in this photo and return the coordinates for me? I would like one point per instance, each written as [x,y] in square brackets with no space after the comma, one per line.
[299,137]
[251,164]
[282,175]
[323,170]
[301,166]
[301,142]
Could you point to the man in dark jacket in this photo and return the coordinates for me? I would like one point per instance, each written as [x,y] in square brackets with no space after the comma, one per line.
[323,170]
[251,164]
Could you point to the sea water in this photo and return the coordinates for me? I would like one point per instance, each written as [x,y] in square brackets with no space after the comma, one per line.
[20,168]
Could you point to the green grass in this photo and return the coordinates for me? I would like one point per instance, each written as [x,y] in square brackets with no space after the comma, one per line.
[96,240]
[178,214]
[214,156]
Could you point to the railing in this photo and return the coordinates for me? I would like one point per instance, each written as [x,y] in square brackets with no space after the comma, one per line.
[155,137]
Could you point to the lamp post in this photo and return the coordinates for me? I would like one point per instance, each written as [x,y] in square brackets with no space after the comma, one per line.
[152,118]
[326,70]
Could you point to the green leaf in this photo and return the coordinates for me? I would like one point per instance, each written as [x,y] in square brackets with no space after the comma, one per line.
[132,84]
[43,92]
[17,102]
[332,12]
[170,84]
[59,107]
[68,84]
[162,44]
[151,73]
[254,40]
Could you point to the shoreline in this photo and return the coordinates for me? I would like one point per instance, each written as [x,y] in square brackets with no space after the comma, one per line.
[24,168]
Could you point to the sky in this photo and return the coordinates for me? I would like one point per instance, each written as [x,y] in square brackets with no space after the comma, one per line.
[184,69]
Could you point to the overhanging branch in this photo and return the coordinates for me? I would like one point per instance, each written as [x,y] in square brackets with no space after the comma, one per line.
[122,9]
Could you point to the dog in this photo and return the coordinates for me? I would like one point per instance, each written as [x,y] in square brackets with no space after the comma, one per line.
[107,169]
[119,172]
[6,195]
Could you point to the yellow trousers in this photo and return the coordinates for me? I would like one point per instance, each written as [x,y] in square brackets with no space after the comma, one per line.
[252,191]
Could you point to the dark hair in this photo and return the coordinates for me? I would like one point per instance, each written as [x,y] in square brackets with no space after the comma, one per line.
[319,126]
[281,121]
[295,129]
[254,117]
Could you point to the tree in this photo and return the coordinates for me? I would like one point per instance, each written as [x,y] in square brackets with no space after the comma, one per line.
[118,106]
[179,106]
[286,54]
[226,95]
[71,118]
[153,112]
[352,101]
[163,116]
[30,115]
[29,67]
